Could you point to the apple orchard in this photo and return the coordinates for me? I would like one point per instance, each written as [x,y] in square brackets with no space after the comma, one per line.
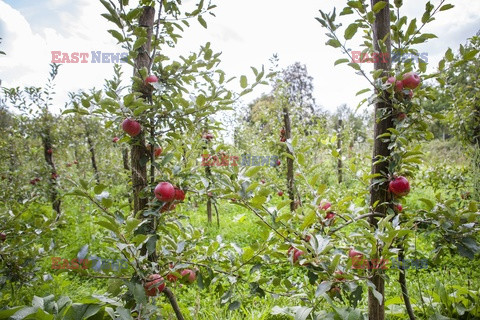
[120,174]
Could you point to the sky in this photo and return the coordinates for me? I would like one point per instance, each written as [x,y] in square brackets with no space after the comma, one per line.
[247,32]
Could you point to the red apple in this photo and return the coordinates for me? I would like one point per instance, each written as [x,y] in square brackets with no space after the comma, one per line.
[283,139]
[155,284]
[54,176]
[164,191]
[157,152]
[282,131]
[189,275]
[398,207]
[171,277]
[325,205]
[115,139]
[131,127]
[278,162]
[307,238]
[296,255]
[262,181]
[3,236]
[330,215]
[399,186]
[179,194]
[207,135]
[151,79]
[49,151]
[411,80]
[280,193]
[401,116]
[398,83]
[75,162]
[33,182]
[354,253]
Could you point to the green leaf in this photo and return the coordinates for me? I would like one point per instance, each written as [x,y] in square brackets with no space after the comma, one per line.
[355,66]
[253,170]
[202,22]
[309,220]
[200,101]
[139,42]
[339,61]
[107,225]
[302,313]
[449,55]
[117,35]
[470,54]
[351,30]
[411,28]
[334,43]
[379,6]
[323,288]
[428,202]
[99,188]
[446,7]
[243,82]
[362,91]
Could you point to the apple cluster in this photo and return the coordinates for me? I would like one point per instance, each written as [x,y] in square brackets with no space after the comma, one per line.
[168,194]
[283,138]
[155,283]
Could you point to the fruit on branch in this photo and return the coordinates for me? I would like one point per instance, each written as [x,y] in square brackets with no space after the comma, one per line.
[115,139]
[278,162]
[179,194]
[155,284]
[330,215]
[75,162]
[307,238]
[399,186]
[54,176]
[262,181]
[411,80]
[401,116]
[324,205]
[282,132]
[131,127]
[280,193]
[398,207]
[157,152]
[164,191]
[3,236]
[151,79]
[208,136]
[171,277]
[188,275]
[398,83]
[354,253]
[283,139]
[295,253]
[50,151]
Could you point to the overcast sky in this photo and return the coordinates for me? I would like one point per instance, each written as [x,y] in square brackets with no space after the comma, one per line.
[247,32]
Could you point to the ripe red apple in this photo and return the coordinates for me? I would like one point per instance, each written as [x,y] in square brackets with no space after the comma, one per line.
[3,236]
[280,193]
[155,284]
[296,255]
[33,182]
[262,181]
[307,238]
[411,80]
[282,131]
[398,207]
[164,191]
[75,162]
[278,162]
[399,186]
[151,79]
[115,139]
[283,139]
[330,215]
[354,253]
[171,277]
[131,127]
[325,205]
[398,83]
[207,135]
[189,275]
[49,151]
[54,176]
[157,152]
[401,116]
[179,194]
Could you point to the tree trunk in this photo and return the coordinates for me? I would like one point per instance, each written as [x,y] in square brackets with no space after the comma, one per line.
[126,166]
[384,120]
[209,210]
[339,149]
[290,181]
[402,279]
[47,146]
[92,154]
